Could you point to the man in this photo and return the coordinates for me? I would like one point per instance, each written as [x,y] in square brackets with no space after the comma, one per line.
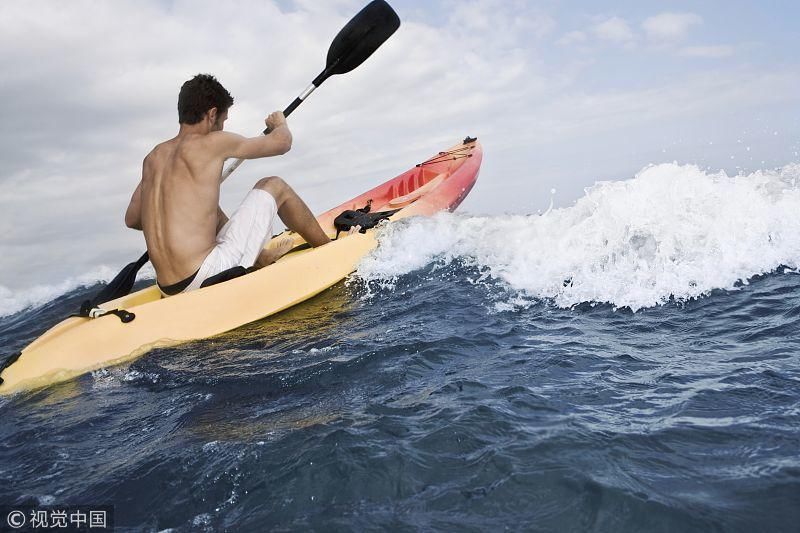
[189,238]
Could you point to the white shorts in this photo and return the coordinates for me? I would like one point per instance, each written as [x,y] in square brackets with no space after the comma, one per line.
[241,239]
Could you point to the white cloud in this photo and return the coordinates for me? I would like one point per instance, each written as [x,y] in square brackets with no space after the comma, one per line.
[614,29]
[505,20]
[573,37]
[670,27]
[712,52]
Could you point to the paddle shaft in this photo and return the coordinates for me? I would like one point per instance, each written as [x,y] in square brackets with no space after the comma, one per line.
[286,112]
[325,74]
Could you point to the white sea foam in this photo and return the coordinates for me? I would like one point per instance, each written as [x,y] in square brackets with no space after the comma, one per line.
[13,301]
[672,231]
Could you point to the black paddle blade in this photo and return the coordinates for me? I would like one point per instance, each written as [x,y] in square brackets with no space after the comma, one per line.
[361,37]
[121,285]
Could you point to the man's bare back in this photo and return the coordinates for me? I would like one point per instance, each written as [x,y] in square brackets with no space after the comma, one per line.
[176,204]
[178,196]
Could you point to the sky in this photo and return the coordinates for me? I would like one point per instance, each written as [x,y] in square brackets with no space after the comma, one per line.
[562,94]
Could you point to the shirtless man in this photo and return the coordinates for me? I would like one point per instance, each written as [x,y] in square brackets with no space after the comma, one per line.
[189,238]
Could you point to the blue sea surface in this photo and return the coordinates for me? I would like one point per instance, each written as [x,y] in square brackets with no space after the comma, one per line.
[428,406]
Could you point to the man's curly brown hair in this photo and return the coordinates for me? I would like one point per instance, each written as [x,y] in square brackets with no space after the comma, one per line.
[200,94]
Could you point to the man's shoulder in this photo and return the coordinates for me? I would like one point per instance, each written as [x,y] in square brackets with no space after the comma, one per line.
[221,137]
[159,149]
[215,141]
[151,157]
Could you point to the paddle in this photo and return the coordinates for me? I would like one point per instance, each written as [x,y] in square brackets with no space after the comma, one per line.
[352,46]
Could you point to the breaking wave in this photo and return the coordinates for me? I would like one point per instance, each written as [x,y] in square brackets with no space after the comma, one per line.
[673,232]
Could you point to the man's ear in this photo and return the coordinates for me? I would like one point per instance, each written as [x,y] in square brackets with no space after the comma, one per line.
[212,115]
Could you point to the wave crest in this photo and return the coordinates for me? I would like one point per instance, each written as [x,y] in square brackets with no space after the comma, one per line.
[672,231]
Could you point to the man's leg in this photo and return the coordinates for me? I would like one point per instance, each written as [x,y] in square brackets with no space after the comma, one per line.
[293,211]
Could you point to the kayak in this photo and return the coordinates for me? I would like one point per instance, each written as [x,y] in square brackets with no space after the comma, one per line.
[79,345]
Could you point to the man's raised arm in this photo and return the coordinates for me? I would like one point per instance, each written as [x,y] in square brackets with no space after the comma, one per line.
[277,142]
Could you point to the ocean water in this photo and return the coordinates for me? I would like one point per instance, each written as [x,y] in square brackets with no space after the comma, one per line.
[628,363]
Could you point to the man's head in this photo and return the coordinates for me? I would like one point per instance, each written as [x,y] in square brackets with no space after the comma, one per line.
[203,97]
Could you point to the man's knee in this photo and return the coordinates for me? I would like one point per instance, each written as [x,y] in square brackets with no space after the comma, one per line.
[275,186]
[271,184]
